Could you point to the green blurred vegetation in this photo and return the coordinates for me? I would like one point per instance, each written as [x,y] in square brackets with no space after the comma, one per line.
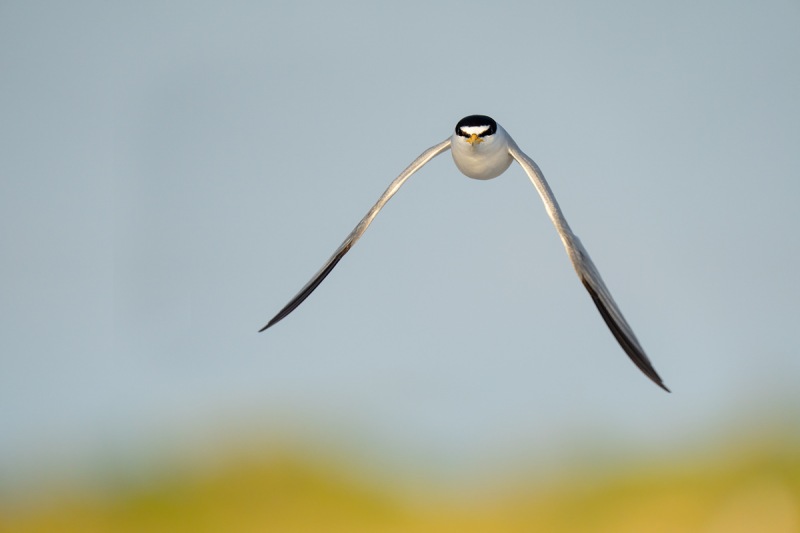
[748,490]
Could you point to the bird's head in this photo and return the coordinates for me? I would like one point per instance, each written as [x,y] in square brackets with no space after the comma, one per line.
[475,129]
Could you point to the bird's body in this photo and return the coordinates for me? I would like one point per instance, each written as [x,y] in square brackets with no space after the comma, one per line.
[486,156]
[483,150]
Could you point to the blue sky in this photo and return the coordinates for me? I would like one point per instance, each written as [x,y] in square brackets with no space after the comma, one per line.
[173,175]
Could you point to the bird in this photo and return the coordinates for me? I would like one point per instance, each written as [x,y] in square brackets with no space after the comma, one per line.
[483,150]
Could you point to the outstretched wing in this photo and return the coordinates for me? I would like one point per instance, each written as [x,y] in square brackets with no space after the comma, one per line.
[586,270]
[357,232]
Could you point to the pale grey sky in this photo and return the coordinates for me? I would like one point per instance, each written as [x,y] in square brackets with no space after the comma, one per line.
[172,175]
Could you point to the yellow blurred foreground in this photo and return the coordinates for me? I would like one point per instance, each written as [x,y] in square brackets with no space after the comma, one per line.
[753,491]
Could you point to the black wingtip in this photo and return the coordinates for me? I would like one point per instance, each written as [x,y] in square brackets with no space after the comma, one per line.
[631,349]
[277,318]
[309,288]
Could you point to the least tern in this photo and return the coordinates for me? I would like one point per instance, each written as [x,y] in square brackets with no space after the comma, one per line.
[483,150]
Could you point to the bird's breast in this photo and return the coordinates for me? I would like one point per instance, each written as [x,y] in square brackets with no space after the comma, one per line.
[481,161]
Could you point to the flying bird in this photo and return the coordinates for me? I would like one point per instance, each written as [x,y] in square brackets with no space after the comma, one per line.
[483,150]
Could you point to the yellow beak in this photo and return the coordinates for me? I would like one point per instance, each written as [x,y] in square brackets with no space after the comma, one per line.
[474,139]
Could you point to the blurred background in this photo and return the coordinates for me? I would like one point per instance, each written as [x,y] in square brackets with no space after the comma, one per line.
[171,175]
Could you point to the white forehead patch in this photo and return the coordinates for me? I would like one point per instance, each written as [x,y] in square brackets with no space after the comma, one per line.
[477,130]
